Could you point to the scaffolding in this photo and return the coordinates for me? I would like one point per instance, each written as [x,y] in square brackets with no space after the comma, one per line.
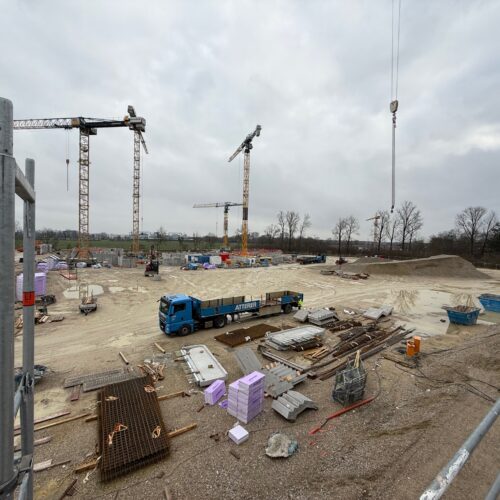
[16,470]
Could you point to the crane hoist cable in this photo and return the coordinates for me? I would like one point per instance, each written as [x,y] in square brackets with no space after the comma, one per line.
[67,159]
[394,92]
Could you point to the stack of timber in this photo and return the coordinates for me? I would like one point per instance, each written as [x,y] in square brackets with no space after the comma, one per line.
[368,342]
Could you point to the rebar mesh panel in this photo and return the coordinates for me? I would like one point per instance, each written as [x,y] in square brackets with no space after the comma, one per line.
[140,413]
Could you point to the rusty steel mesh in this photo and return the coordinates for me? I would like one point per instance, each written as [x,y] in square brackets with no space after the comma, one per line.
[131,429]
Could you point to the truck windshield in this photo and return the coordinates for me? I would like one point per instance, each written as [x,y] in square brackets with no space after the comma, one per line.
[164,305]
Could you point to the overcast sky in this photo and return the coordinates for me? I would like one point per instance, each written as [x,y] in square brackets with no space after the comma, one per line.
[316,76]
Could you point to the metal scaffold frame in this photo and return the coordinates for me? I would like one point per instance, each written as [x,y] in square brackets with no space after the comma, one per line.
[16,471]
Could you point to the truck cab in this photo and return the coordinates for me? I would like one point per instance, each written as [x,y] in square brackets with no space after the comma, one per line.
[176,314]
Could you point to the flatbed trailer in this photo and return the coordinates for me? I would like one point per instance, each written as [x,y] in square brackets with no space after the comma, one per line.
[182,314]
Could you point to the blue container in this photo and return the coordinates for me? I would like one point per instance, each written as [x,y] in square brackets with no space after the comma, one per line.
[463,318]
[490,302]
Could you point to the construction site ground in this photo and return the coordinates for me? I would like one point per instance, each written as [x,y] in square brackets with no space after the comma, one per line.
[390,448]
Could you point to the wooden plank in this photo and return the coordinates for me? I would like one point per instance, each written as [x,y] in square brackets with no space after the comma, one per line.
[45,419]
[160,348]
[47,464]
[85,466]
[125,360]
[171,395]
[75,393]
[92,418]
[70,419]
[38,442]
[182,430]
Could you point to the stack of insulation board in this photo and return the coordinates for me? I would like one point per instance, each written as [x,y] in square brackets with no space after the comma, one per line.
[214,392]
[40,285]
[246,397]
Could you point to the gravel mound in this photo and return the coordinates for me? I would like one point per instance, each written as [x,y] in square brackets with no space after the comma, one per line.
[450,266]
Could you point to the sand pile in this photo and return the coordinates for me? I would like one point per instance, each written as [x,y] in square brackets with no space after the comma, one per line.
[450,266]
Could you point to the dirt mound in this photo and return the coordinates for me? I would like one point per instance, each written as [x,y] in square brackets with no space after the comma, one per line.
[450,266]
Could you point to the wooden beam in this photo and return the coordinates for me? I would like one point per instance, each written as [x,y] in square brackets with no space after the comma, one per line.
[171,395]
[45,419]
[63,421]
[85,466]
[160,348]
[182,430]
[125,360]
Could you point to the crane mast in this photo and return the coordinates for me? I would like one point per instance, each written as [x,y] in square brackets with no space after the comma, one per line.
[246,146]
[226,205]
[88,127]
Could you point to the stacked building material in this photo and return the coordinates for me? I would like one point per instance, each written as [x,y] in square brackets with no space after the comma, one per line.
[214,392]
[321,317]
[287,339]
[40,285]
[246,397]
[378,312]
[42,266]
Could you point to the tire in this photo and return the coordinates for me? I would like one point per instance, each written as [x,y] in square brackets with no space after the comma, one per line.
[219,321]
[287,308]
[184,330]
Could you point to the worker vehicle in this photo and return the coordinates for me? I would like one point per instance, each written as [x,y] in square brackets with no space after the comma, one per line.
[311,259]
[153,264]
[182,314]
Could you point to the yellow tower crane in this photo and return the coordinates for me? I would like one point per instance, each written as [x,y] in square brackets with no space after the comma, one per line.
[246,146]
[226,205]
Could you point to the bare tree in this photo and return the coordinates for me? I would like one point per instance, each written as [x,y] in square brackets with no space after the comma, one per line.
[292,222]
[415,224]
[381,229]
[339,232]
[392,229]
[306,224]
[282,226]
[271,232]
[351,228]
[161,236]
[469,222]
[406,214]
[490,224]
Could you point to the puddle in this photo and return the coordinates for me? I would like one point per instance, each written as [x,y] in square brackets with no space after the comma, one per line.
[74,291]
[421,309]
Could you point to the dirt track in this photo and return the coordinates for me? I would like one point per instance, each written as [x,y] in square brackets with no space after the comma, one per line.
[389,449]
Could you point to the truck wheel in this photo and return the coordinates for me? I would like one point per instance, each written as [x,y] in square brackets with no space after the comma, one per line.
[184,330]
[219,321]
[287,308]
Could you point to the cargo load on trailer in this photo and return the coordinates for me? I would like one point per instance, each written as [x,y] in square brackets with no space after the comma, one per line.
[182,314]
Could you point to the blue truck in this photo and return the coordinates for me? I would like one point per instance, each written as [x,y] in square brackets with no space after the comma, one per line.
[311,259]
[182,314]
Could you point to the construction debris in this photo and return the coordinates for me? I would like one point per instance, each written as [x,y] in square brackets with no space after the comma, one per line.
[132,432]
[202,367]
[281,445]
[344,324]
[287,339]
[291,404]
[243,335]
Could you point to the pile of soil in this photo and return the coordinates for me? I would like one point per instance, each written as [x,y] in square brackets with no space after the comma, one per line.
[450,266]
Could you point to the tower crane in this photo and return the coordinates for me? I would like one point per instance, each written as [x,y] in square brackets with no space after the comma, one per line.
[375,219]
[88,127]
[226,205]
[246,146]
